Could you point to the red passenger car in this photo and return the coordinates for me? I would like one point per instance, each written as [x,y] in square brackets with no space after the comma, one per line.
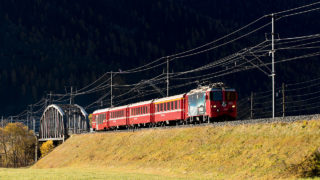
[99,119]
[118,117]
[169,109]
[141,113]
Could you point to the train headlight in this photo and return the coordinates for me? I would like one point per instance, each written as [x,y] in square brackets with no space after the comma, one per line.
[233,106]
[214,106]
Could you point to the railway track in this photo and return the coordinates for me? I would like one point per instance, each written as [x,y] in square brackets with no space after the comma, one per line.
[287,119]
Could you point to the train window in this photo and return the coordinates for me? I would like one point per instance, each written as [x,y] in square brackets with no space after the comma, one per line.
[168,106]
[158,108]
[179,104]
[216,96]
[230,96]
[164,106]
[175,104]
[172,107]
[161,107]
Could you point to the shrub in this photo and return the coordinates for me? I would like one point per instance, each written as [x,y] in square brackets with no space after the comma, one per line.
[46,148]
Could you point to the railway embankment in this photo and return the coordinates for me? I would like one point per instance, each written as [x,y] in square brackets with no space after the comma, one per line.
[264,150]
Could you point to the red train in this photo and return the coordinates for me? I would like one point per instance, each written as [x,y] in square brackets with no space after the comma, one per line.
[204,104]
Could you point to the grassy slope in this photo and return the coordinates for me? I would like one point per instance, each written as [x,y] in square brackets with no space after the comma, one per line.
[246,151]
[73,174]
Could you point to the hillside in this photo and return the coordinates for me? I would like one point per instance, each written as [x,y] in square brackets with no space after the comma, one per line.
[277,150]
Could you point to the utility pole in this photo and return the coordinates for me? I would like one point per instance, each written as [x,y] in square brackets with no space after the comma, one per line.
[251,106]
[283,102]
[167,76]
[28,119]
[31,114]
[50,97]
[71,96]
[36,149]
[111,90]
[34,125]
[273,72]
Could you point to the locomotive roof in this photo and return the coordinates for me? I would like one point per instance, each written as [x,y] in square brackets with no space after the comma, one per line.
[207,88]
[201,89]
[141,103]
[169,98]
[230,89]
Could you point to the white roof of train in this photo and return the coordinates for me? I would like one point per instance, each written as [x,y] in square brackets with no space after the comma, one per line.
[141,103]
[100,110]
[169,98]
[117,108]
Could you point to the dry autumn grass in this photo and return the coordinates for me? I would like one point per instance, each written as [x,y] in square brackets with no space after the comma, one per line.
[264,151]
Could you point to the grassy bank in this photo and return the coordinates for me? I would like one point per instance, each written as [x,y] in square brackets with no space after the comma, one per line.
[75,174]
[278,150]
